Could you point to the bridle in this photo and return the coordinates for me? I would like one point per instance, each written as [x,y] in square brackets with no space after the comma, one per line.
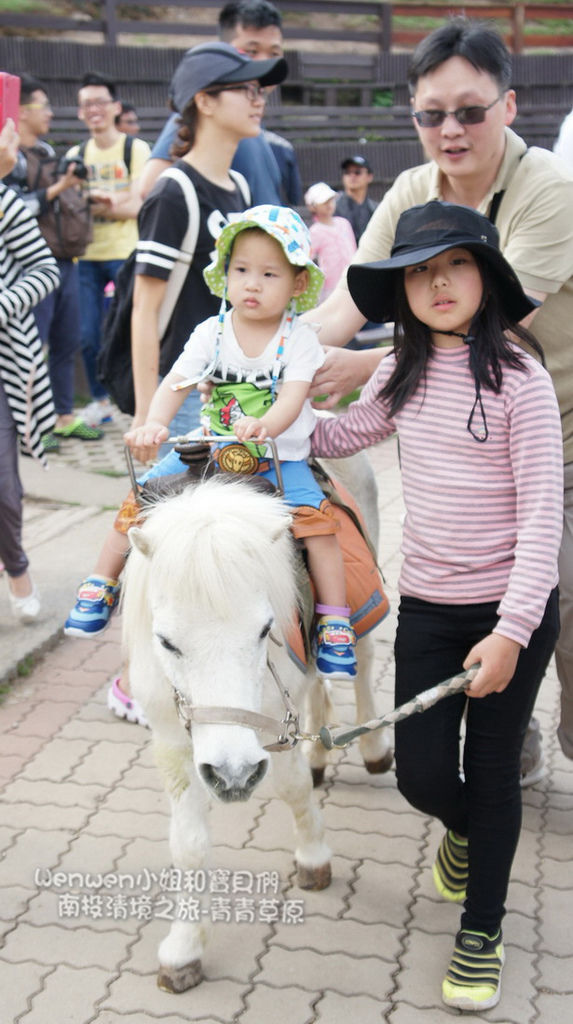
[286,728]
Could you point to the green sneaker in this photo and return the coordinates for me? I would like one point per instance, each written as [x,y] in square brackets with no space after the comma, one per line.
[80,430]
[450,870]
[50,444]
[473,981]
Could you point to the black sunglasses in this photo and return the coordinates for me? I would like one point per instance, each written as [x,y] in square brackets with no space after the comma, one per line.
[463,115]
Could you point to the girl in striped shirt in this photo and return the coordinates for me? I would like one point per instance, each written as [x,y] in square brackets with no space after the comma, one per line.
[481,459]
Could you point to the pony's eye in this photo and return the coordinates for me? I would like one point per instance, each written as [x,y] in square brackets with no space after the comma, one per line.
[166,643]
[266,630]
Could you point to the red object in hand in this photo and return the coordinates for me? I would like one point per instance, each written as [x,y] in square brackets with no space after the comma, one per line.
[9,98]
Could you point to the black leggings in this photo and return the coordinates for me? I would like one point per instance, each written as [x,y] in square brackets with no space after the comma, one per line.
[431,644]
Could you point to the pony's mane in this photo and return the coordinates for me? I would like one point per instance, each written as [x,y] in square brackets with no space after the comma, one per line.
[211,545]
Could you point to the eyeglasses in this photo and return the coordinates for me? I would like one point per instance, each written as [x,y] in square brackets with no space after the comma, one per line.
[463,115]
[95,104]
[253,90]
[38,106]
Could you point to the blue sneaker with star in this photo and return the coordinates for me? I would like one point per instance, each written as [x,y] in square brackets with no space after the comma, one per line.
[97,597]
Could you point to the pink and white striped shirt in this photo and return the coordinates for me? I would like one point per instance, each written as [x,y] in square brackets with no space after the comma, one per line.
[483,520]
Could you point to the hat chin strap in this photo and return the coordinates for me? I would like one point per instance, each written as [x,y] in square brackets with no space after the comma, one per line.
[466,338]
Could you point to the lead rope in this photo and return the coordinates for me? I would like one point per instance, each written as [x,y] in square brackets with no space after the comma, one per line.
[421,702]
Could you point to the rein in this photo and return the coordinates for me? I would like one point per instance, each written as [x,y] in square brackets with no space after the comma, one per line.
[288,727]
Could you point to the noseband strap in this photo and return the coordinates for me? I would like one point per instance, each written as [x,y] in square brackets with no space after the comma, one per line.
[287,729]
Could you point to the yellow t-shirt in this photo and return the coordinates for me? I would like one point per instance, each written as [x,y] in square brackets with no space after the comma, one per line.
[107,171]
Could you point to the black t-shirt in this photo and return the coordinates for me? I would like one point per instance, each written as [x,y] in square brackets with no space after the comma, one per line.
[163,222]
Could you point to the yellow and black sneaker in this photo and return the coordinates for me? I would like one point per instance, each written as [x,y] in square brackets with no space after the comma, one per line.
[450,870]
[474,976]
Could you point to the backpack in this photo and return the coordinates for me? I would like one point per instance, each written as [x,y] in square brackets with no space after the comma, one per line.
[67,224]
[114,358]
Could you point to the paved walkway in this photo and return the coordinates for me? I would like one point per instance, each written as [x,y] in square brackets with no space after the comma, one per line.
[82,799]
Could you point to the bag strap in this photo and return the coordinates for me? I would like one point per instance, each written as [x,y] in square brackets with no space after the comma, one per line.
[181,269]
[127,148]
[242,184]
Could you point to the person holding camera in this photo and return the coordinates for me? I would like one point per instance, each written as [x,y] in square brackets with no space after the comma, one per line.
[52,192]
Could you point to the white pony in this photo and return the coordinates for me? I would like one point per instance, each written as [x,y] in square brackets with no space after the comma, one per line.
[209,594]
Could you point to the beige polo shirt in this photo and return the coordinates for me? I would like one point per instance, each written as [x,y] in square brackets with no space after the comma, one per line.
[535,224]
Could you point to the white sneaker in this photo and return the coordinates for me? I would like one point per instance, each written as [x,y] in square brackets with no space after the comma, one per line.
[97,412]
[26,609]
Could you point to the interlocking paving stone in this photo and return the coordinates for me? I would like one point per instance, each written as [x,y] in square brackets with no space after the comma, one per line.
[342,936]
[19,984]
[556,908]
[64,990]
[338,972]
[61,794]
[339,1009]
[51,944]
[289,1004]
[133,992]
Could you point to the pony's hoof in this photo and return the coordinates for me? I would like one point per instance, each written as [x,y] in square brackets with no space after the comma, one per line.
[314,878]
[317,777]
[179,979]
[383,764]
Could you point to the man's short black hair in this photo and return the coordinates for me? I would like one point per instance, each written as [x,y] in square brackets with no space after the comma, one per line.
[96,78]
[250,13]
[29,85]
[476,42]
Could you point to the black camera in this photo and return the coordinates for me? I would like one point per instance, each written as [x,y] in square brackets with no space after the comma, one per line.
[80,170]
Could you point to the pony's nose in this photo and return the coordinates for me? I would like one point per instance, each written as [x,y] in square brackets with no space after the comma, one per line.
[229,782]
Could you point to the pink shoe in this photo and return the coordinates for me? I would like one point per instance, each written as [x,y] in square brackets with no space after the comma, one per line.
[124,706]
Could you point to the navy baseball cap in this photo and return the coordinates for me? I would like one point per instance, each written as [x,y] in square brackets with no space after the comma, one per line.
[211,64]
[355,161]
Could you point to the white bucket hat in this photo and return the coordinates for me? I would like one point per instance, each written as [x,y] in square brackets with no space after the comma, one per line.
[287,228]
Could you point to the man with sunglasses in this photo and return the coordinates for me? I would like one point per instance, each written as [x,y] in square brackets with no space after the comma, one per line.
[354,202]
[462,109]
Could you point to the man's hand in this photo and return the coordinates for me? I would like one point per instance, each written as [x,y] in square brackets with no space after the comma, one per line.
[342,371]
[497,656]
[145,440]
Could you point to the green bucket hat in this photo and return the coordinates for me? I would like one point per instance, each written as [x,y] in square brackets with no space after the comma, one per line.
[288,229]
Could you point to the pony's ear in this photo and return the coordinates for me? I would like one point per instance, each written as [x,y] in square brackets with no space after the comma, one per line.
[138,540]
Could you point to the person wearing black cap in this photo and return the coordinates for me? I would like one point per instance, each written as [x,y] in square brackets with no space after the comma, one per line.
[482,474]
[267,161]
[354,203]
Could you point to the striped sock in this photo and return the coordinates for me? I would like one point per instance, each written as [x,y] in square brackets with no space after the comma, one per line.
[450,870]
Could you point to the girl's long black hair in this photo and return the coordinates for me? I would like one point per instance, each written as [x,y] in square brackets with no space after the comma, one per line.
[489,347]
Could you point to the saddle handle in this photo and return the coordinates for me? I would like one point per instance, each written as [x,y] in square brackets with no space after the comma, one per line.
[191,438]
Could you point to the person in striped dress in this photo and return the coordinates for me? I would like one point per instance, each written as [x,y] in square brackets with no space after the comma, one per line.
[481,460]
[28,272]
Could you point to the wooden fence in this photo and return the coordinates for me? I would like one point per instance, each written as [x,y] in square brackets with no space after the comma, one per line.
[382,25]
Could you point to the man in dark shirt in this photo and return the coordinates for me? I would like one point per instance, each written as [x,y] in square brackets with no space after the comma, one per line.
[354,203]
